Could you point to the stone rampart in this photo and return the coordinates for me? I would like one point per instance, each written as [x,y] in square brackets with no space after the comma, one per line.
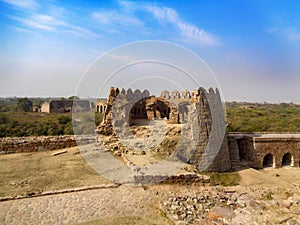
[42,143]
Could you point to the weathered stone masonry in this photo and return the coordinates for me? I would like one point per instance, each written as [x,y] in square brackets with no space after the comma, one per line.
[43,143]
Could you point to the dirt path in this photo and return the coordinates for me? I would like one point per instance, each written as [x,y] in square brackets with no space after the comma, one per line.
[77,207]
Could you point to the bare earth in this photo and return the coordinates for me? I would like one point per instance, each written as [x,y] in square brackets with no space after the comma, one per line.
[269,196]
[25,173]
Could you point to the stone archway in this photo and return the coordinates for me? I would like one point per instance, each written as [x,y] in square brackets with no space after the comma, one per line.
[268,161]
[287,160]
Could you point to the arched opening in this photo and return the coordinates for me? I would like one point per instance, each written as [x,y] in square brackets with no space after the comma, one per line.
[287,160]
[268,161]
[101,109]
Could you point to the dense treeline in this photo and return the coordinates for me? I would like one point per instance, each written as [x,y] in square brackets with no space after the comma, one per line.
[254,117]
[20,104]
[17,124]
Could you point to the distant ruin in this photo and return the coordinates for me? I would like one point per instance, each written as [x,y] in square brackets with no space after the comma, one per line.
[65,106]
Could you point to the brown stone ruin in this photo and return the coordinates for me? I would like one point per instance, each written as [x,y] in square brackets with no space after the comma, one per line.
[65,106]
[194,111]
[152,107]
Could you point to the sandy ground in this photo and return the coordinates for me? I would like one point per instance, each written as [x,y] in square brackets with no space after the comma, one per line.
[285,177]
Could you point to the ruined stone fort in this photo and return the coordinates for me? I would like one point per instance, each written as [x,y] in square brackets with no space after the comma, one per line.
[204,141]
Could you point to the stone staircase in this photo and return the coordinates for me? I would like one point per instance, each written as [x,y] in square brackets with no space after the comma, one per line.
[233,147]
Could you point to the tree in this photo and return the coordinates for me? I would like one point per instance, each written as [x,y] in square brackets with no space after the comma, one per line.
[73,98]
[24,104]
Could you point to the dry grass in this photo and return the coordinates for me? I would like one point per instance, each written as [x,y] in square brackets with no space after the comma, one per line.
[224,179]
[25,173]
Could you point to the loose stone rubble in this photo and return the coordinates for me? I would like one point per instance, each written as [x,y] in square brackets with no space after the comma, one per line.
[229,206]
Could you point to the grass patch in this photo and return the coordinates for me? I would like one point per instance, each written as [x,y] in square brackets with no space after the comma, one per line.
[224,179]
[269,196]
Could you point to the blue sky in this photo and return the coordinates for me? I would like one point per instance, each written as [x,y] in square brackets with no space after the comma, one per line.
[253,47]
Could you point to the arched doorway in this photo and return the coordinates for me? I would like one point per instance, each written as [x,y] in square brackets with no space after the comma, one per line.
[268,161]
[287,160]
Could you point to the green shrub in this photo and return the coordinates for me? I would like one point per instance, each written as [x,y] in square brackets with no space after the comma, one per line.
[224,179]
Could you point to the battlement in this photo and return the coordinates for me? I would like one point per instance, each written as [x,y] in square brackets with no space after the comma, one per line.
[186,94]
[175,94]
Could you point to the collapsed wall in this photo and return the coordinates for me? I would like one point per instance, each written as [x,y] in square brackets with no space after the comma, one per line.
[42,143]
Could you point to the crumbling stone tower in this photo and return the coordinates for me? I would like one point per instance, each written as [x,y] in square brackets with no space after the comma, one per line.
[203,141]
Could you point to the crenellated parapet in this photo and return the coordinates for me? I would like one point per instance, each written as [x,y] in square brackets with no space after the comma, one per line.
[185,95]
[119,107]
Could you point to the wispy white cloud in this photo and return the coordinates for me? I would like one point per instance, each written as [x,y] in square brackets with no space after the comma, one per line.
[187,30]
[23,30]
[126,16]
[51,24]
[26,4]
[29,22]
[112,17]
[50,21]
[130,16]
